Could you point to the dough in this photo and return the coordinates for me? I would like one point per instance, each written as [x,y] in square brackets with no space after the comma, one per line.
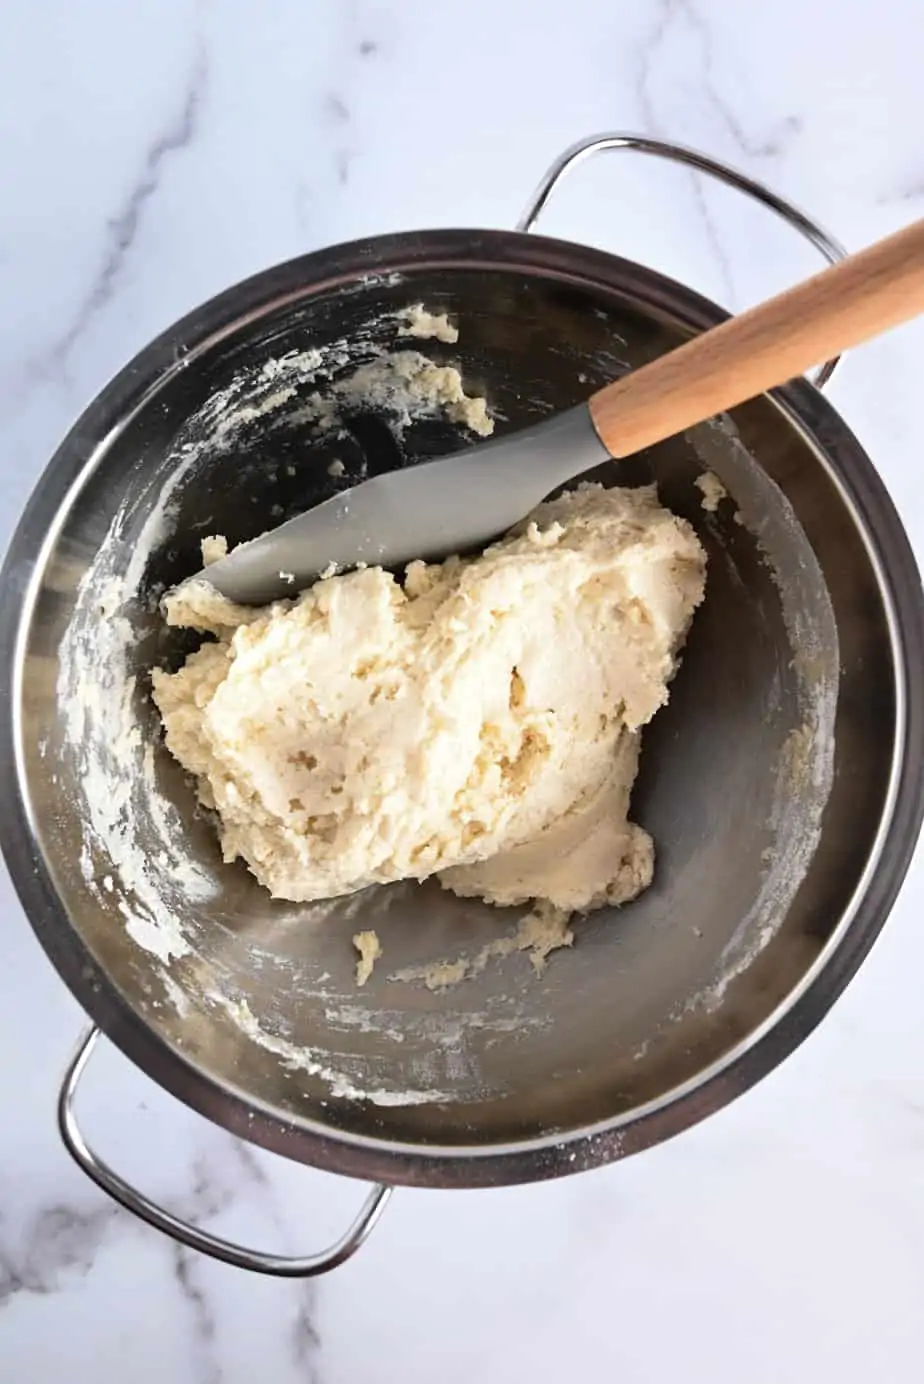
[419,322]
[713,491]
[481,724]
[370,949]
[213,549]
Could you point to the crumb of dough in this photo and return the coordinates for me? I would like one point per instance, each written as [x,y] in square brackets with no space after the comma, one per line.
[370,949]
[287,577]
[714,491]
[336,467]
[473,413]
[481,723]
[421,323]
[213,548]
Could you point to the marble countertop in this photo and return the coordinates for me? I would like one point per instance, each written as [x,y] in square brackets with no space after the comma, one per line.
[154,153]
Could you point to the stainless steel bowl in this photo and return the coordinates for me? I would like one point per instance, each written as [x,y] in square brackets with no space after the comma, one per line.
[781,784]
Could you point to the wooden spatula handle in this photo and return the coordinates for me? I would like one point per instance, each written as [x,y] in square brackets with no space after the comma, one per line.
[862,296]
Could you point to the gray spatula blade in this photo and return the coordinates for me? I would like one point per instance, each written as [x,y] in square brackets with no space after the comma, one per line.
[454,505]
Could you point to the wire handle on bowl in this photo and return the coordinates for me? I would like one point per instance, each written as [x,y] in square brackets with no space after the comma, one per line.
[700,163]
[280,1266]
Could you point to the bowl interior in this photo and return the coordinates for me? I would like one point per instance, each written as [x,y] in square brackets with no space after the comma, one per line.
[763,781]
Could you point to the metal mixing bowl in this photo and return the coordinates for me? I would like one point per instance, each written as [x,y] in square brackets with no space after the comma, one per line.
[781,784]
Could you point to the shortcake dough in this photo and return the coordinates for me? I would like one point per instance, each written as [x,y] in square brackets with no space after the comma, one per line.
[479,720]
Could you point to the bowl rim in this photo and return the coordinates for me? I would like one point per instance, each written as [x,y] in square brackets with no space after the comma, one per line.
[893,564]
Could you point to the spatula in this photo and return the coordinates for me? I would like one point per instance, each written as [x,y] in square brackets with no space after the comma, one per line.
[462,502]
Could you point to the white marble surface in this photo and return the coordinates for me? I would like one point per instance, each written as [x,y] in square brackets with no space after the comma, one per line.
[152,154]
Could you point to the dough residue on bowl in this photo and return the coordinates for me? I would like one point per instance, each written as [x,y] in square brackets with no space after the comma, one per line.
[713,491]
[480,723]
[417,321]
[369,948]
